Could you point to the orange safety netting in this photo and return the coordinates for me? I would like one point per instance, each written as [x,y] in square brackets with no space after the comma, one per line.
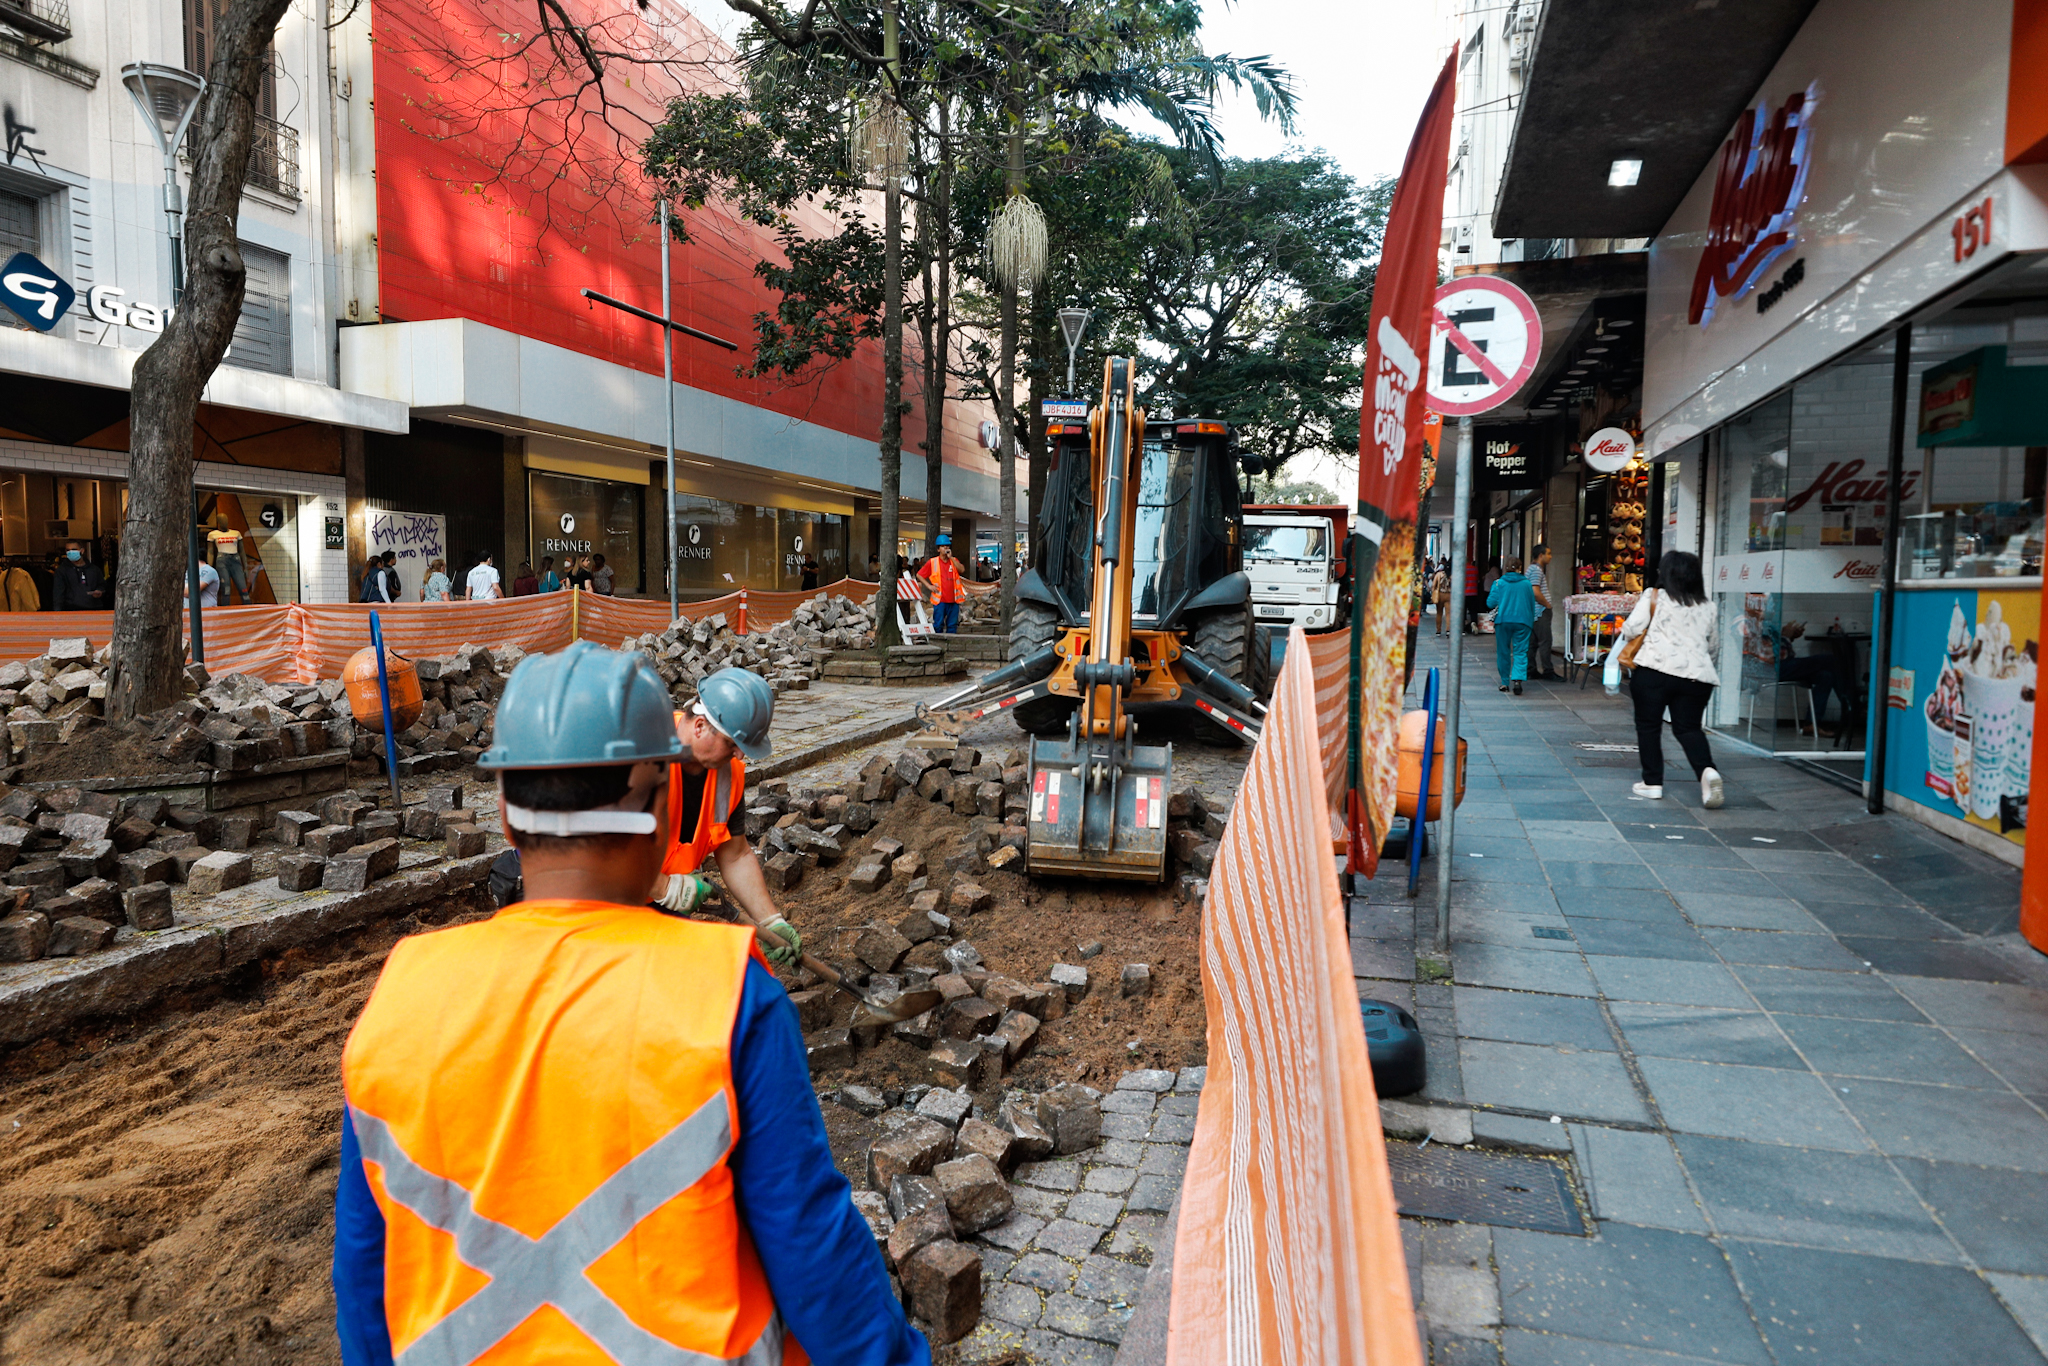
[300,642]
[1287,1248]
[1330,661]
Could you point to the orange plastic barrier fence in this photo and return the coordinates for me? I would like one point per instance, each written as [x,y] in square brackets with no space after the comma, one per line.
[300,642]
[1288,1248]
[329,633]
[1330,660]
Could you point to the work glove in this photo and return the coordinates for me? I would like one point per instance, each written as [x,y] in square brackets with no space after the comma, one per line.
[685,893]
[794,943]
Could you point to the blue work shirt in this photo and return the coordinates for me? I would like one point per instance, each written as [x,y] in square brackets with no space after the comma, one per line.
[1513,600]
[820,1257]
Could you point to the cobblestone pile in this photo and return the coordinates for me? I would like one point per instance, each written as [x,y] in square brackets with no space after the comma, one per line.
[789,655]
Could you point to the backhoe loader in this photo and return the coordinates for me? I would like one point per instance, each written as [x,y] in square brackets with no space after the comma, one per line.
[1097,797]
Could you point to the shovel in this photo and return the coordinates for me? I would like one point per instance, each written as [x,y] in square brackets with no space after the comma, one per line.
[886,1009]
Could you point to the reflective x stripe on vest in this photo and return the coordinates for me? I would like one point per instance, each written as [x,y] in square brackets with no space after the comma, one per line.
[528,1273]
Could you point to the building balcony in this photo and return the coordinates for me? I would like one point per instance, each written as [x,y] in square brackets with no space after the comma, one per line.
[45,21]
[273,156]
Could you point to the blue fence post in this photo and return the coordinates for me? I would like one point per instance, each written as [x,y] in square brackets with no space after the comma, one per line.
[384,692]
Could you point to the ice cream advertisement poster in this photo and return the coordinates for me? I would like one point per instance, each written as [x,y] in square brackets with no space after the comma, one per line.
[1962,709]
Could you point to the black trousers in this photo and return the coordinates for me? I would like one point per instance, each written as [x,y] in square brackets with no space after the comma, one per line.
[1686,698]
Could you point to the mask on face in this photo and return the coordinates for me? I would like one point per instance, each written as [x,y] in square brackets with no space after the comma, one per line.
[73,555]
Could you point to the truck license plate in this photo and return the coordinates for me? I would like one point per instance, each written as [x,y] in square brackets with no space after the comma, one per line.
[1265,611]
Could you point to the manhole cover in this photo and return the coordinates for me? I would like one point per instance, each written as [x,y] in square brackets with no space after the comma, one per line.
[1596,747]
[1473,1186]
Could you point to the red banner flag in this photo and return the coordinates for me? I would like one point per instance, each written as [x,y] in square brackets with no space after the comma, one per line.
[1390,452]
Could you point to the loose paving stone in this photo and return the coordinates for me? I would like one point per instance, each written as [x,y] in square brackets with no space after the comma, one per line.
[1153,1194]
[1119,1152]
[1011,1303]
[1081,1318]
[1129,1103]
[1163,1159]
[1014,1233]
[1109,1180]
[1043,1271]
[1068,1237]
[1052,1176]
[1146,1080]
[1137,1235]
[1093,1207]
[1126,1126]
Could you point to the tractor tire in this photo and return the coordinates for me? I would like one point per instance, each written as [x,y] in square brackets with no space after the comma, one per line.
[1261,678]
[1227,639]
[1033,626]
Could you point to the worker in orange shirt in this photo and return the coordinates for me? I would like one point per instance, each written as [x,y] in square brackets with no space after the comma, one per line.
[942,572]
[582,1130]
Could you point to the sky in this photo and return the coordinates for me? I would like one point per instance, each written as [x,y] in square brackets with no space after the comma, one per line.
[1361,71]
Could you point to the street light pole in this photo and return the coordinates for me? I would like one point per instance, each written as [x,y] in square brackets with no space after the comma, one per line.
[1073,322]
[668,404]
[167,98]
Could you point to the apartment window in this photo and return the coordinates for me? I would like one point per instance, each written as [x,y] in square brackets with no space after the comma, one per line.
[20,230]
[263,337]
[202,20]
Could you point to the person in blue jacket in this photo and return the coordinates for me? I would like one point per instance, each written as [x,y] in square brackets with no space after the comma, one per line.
[1513,601]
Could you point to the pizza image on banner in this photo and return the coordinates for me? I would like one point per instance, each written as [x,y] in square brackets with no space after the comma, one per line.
[1393,431]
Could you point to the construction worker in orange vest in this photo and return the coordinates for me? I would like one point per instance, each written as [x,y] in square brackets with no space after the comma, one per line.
[942,571]
[582,1130]
[724,729]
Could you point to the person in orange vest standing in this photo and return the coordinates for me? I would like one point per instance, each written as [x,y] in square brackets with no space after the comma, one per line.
[942,571]
[583,1130]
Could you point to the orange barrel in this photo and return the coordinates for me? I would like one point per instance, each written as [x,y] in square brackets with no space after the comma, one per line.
[359,676]
[1414,726]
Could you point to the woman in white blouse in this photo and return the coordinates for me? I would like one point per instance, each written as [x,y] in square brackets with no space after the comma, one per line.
[1674,670]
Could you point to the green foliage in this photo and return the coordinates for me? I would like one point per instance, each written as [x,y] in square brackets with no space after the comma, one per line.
[1300,491]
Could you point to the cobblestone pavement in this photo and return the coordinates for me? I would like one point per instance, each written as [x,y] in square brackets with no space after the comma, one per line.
[1796,1057]
[1062,1275]
[827,712]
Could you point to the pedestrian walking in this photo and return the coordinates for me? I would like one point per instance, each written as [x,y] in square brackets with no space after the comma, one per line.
[600,575]
[1541,662]
[81,585]
[526,583]
[483,581]
[550,581]
[1673,670]
[209,586]
[610,1129]
[1473,602]
[810,573]
[580,575]
[436,588]
[1513,602]
[375,587]
[1440,594]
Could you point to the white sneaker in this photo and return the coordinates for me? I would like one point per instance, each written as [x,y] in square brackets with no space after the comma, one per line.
[1710,789]
[1650,791]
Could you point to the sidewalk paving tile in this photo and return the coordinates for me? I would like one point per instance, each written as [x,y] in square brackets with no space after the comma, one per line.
[1844,884]
[1764,1104]
[1525,1017]
[1748,1038]
[1725,911]
[1690,854]
[1996,1215]
[1947,1123]
[1851,1202]
[1770,948]
[1634,1177]
[1850,1310]
[1879,922]
[1597,831]
[1891,1052]
[1488,965]
[1578,1085]
[1978,1005]
[1649,904]
[1564,874]
[2019,1058]
[1699,879]
[1522,1347]
[1667,981]
[1933,958]
[1860,996]
[2027,1298]
[1639,1287]
[1639,939]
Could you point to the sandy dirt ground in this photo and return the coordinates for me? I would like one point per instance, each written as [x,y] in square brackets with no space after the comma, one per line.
[167,1184]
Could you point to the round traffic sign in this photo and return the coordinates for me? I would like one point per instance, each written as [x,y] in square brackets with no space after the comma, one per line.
[1483,344]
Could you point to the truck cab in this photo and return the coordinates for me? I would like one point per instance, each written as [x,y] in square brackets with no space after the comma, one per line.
[1295,558]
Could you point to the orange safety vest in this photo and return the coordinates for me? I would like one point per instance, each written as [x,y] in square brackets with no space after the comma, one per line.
[548,1145]
[722,789]
[944,575]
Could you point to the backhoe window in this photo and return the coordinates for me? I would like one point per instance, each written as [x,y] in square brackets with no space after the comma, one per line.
[1163,550]
[1285,543]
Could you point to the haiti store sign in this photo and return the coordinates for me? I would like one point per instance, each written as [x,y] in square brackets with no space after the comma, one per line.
[41,297]
[1757,193]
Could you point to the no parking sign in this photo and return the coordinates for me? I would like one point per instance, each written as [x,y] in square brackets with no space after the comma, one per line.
[1483,344]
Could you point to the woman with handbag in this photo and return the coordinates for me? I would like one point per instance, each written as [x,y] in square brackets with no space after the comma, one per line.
[1669,644]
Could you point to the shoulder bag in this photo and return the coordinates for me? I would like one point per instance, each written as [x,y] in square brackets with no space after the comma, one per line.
[1630,649]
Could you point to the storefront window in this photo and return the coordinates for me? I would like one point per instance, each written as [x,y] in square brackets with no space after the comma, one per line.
[724,547]
[251,539]
[575,517]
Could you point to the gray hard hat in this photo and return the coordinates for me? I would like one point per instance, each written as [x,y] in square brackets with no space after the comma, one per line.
[582,707]
[739,705]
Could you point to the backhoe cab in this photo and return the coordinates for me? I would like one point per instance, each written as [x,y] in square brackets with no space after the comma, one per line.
[1138,598]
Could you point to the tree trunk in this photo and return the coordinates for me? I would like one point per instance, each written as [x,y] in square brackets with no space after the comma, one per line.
[1006,372]
[886,632]
[939,307]
[147,672]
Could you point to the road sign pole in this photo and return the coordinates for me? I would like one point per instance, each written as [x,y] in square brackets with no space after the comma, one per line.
[1461,507]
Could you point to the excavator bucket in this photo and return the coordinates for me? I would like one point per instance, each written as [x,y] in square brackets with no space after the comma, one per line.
[1099,809]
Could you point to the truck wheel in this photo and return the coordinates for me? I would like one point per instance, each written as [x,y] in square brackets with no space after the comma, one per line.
[1261,679]
[1033,626]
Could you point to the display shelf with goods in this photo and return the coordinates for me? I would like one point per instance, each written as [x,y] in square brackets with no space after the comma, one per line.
[1613,530]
